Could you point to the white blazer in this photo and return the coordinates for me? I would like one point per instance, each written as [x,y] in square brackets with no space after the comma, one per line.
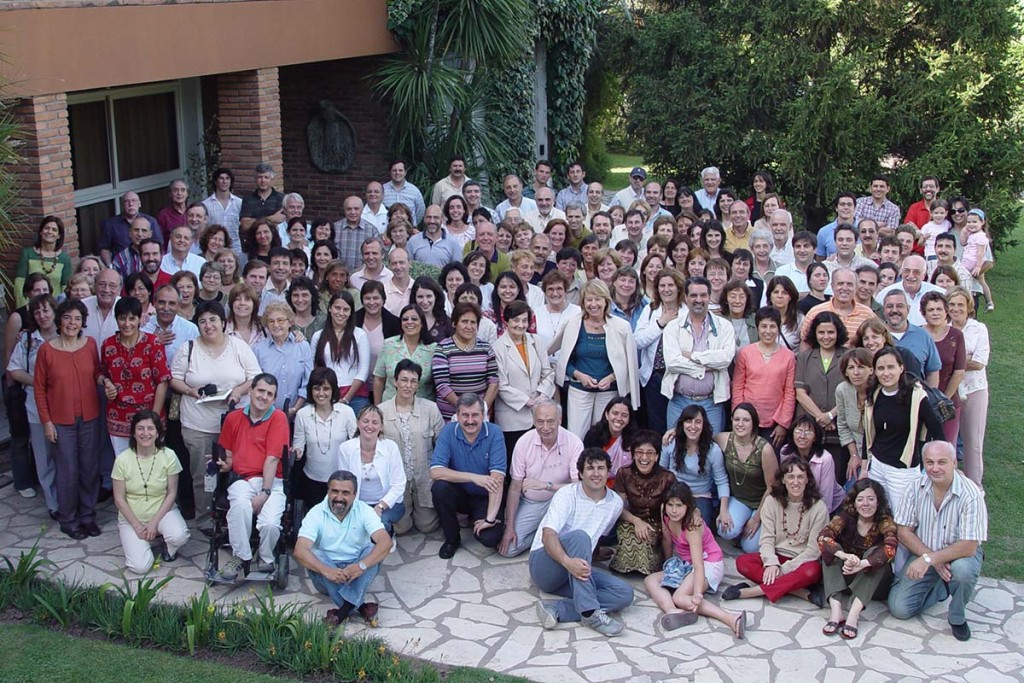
[621,353]
[388,462]
[517,384]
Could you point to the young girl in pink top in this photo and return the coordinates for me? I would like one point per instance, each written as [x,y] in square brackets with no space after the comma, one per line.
[695,565]
[975,241]
[935,227]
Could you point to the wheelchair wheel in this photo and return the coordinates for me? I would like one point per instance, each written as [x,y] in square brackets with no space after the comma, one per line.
[298,512]
[281,573]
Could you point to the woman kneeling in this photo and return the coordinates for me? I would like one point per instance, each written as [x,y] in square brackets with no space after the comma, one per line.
[145,479]
[791,519]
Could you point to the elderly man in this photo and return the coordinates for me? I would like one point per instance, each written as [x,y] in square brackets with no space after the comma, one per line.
[538,220]
[912,283]
[540,245]
[514,199]
[737,235]
[223,207]
[351,231]
[577,190]
[114,231]
[846,207]
[915,340]
[264,202]
[100,324]
[842,303]
[942,521]
[452,183]
[486,241]
[254,439]
[173,215]
[342,544]
[877,206]
[698,348]
[397,287]
[632,192]
[293,206]
[374,210]
[398,190]
[707,196]
[373,264]
[468,473]
[781,225]
[434,245]
[179,254]
[560,558]
[542,463]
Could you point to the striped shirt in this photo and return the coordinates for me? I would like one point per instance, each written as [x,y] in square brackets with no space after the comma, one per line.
[459,372]
[962,515]
[888,214]
[571,509]
[409,195]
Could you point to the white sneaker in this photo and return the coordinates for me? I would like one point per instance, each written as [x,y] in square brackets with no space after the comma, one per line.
[230,570]
[546,614]
[27,493]
[603,624]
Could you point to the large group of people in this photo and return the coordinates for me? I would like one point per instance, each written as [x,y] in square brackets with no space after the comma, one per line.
[639,383]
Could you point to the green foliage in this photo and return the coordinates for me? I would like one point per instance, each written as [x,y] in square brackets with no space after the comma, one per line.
[510,92]
[199,616]
[9,232]
[135,600]
[826,94]
[57,601]
[18,582]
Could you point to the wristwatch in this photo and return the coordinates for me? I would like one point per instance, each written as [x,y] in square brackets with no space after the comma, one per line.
[362,565]
[927,559]
[266,491]
[548,486]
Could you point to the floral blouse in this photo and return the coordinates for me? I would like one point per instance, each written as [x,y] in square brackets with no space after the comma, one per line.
[841,534]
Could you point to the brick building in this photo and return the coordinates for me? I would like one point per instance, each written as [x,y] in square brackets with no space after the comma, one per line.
[118,95]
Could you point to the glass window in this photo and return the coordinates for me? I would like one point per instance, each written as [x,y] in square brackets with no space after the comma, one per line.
[89,220]
[146,130]
[90,144]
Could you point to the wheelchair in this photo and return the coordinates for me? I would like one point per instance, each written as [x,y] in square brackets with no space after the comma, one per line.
[291,520]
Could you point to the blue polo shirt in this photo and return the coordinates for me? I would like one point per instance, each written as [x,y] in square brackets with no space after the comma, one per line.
[342,541]
[483,456]
[920,343]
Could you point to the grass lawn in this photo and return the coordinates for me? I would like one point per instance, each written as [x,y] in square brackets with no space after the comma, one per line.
[1004,456]
[618,172]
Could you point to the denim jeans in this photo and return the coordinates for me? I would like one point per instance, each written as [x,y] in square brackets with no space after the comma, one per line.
[352,592]
[909,597]
[740,514]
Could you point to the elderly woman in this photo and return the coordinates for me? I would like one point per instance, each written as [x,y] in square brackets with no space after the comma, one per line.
[67,371]
[641,486]
[764,376]
[857,549]
[45,256]
[487,331]
[414,344]
[694,458]
[738,308]
[974,403]
[597,358]
[377,464]
[344,348]
[524,375]
[952,352]
[792,517]
[557,307]
[288,360]
[663,309]
[855,367]
[414,423]
[136,372]
[463,364]
[145,480]
[21,367]
[212,365]
[321,426]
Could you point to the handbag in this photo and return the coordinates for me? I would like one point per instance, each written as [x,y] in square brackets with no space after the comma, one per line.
[940,403]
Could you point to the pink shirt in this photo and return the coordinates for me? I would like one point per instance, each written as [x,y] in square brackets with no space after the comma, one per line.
[712,551]
[974,250]
[532,459]
[768,386]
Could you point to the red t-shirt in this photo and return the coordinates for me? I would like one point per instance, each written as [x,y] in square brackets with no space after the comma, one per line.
[918,214]
[250,444]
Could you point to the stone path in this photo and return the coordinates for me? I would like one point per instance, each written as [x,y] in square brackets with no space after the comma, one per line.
[477,609]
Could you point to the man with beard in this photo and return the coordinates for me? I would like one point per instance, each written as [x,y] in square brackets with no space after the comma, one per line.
[149,254]
[920,212]
[341,544]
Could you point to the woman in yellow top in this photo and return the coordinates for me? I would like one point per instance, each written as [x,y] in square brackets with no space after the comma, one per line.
[145,479]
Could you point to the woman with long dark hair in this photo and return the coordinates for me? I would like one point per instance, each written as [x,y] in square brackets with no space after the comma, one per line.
[695,459]
[751,464]
[321,426]
[613,434]
[413,344]
[761,185]
[428,296]
[343,347]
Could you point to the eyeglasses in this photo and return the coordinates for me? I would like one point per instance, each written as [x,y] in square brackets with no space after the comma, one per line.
[960,210]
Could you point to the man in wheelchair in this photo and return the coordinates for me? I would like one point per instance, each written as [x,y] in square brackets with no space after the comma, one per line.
[253,439]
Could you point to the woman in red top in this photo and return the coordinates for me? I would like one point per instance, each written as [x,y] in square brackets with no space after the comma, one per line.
[67,370]
[136,368]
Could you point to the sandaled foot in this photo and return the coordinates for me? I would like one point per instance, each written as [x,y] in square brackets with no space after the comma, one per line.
[739,627]
[674,620]
[832,627]
[848,632]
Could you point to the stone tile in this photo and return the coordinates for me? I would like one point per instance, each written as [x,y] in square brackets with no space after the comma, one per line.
[643,658]
[882,660]
[470,631]
[993,599]
[986,675]
[609,672]
[516,649]
[484,613]
[435,608]
[410,641]
[843,655]
[461,581]
[513,600]
[748,669]
[939,665]
[416,582]
[799,664]
[549,675]
[457,652]
[591,653]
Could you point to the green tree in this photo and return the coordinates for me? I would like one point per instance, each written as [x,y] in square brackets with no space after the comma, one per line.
[9,230]
[826,93]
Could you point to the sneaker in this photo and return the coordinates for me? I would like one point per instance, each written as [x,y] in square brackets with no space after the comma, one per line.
[603,624]
[265,567]
[230,570]
[961,632]
[546,614]
[27,493]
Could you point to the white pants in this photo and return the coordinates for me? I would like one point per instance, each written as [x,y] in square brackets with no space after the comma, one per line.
[584,408]
[268,522]
[120,444]
[895,481]
[138,555]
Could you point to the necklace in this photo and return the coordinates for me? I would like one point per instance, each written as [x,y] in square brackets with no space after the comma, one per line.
[799,522]
[145,477]
[320,446]
[472,345]
[745,464]
[46,264]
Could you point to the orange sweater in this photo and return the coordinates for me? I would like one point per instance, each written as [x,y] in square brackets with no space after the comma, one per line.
[65,384]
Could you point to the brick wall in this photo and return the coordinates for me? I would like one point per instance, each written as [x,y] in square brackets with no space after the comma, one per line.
[249,115]
[44,174]
[343,83]
[63,4]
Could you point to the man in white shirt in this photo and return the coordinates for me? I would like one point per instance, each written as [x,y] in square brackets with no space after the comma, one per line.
[278,282]
[514,199]
[913,284]
[452,183]
[634,191]
[179,255]
[804,245]
[373,264]
[399,191]
[397,287]
[101,324]
[595,199]
[538,220]
[560,557]
[167,326]
[374,210]
[632,229]
[293,205]
[781,225]
[707,196]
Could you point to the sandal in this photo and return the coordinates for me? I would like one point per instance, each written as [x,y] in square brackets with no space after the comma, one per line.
[848,632]
[740,626]
[831,628]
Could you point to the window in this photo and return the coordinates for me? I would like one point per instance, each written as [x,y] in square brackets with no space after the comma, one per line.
[129,139]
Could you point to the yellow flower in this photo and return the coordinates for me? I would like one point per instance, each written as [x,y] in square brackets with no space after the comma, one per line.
[381,649]
[362,674]
[210,609]
[273,651]
[308,645]
[222,636]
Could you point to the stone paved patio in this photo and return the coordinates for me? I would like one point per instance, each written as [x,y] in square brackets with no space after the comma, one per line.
[477,609]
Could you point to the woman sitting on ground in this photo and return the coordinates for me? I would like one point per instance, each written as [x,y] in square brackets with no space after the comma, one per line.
[696,460]
[857,548]
[806,441]
[791,519]
[695,565]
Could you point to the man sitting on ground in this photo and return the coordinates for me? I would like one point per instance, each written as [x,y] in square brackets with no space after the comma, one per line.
[341,544]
